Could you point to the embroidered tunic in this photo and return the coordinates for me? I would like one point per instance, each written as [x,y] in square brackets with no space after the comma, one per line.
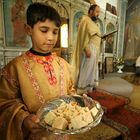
[26,83]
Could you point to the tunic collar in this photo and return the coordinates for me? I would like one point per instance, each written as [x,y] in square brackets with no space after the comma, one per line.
[38,53]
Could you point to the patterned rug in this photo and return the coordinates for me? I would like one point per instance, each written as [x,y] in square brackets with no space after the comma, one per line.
[109,101]
[126,120]
[119,114]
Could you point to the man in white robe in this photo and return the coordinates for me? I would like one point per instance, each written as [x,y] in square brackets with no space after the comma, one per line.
[86,54]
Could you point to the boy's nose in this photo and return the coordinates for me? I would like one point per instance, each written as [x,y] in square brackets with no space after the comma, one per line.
[49,36]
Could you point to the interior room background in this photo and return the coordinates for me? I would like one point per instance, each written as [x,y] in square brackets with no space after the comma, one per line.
[121,15]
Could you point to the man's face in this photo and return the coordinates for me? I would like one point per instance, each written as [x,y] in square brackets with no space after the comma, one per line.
[44,36]
[95,14]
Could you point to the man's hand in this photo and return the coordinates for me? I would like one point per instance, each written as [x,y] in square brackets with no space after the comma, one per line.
[88,52]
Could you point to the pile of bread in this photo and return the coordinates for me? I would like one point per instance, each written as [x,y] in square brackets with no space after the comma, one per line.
[70,116]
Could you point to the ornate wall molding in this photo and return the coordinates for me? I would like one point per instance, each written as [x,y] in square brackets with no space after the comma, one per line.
[58,5]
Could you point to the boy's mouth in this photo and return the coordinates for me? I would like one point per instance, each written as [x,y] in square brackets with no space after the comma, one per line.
[48,45]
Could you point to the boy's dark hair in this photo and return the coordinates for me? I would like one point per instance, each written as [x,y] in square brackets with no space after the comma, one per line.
[92,7]
[40,12]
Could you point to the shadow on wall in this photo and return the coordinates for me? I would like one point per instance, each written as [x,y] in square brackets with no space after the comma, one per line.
[129,65]
[132,31]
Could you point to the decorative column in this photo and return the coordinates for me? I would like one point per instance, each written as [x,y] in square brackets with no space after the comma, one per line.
[122,6]
[2,62]
[1,24]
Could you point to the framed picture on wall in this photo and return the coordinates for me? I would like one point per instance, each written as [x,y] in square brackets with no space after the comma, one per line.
[14,23]
[108,64]
[110,42]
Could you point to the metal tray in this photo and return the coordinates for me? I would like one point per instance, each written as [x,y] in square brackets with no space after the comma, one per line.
[53,104]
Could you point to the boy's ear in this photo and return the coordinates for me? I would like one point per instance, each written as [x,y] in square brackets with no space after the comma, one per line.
[28,29]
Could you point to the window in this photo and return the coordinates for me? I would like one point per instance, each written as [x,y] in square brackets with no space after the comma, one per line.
[64,35]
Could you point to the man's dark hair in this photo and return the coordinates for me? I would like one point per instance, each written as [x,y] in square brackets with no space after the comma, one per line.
[40,12]
[92,7]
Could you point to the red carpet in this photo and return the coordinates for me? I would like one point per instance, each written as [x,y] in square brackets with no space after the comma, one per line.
[108,101]
[130,119]
[124,118]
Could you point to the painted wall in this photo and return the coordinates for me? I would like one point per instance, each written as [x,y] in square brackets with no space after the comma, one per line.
[132,31]
[102,3]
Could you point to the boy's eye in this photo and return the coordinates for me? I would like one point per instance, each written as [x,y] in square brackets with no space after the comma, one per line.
[43,30]
[55,32]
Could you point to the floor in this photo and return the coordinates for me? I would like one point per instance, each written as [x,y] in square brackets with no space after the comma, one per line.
[135,95]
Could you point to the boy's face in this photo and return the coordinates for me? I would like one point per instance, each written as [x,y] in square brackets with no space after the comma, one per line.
[44,36]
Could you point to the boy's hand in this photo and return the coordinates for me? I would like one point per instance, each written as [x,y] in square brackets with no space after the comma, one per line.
[31,123]
[37,132]
[40,135]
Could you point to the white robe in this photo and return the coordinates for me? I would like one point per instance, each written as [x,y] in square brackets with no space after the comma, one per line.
[86,69]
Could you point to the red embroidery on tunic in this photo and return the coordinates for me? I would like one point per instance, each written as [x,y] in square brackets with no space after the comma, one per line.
[34,81]
[61,77]
[47,63]
[48,67]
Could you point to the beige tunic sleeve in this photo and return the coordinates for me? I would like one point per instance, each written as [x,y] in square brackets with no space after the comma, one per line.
[12,109]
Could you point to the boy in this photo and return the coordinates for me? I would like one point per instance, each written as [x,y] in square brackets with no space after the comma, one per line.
[33,78]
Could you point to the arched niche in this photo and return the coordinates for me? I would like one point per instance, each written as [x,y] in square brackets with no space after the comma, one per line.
[58,5]
[110,40]
[76,19]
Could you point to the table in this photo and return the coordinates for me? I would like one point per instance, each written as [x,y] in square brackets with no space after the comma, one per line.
[100,132]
